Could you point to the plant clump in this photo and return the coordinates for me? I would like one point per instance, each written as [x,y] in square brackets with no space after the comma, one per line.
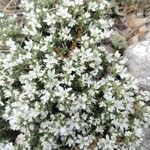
[60,89]
[118,41]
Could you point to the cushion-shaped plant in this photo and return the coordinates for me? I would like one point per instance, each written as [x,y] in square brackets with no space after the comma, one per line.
[60,89]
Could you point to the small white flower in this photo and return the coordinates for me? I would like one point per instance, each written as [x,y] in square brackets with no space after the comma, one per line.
[62,93]
[11,44]
[50,19]
[65,34]
[50,61]
[7,146]
[93,6]
[28,45]
[63,12]
[95,31]
[87,15]
[82,141]
[107,143]
[45,97]
[70,142]
[72,22]
[8,93]
[63,131]
[78,2]
[119,105]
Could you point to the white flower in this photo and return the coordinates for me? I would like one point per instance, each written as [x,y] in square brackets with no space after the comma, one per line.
[119,105]
[47,145]
[47,39]
[63,131]
[87,15]
[50,61]
[82,141]
[50,19]
[11,44]
[128,133]
[20,138]
[95,31]
[62,93]
[8,93]
[68,2]
[28,45]
[78,2]
[93,6]
[70,142]
[45,97]
[65,34]
[107,143]
[7,146]
[80,102]
[139,132]
[63,12]
[72,22]
[100,129]
[105,33]
[1,81]
[27,4]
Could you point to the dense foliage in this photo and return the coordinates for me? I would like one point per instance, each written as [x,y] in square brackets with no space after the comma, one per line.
[60,88]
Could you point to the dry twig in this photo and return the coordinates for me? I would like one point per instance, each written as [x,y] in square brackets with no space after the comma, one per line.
[7,5]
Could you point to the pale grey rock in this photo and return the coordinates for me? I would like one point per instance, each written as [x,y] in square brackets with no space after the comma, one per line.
[138,62]
[146,141]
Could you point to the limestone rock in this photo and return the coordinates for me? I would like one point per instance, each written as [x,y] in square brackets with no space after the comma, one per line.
[146,142]
[138,62]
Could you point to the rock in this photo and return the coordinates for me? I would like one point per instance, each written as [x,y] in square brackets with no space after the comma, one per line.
[138,62]
[146,141]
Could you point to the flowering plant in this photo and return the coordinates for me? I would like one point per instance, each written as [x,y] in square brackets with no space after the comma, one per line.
[60,89]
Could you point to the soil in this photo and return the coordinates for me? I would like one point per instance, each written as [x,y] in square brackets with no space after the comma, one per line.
[9,7]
